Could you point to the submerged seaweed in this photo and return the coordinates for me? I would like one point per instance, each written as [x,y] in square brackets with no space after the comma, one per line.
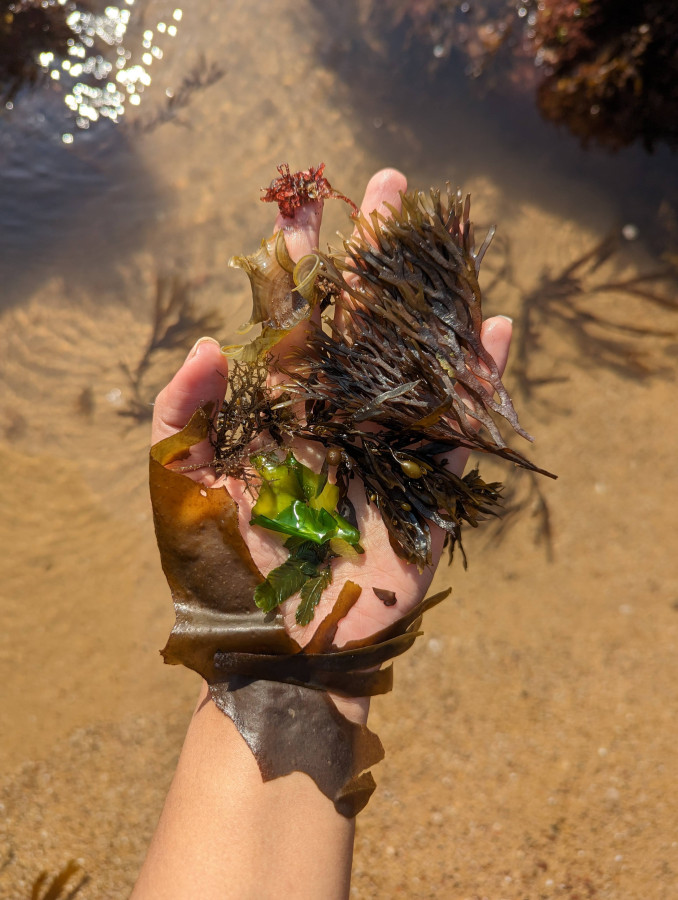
[56,890]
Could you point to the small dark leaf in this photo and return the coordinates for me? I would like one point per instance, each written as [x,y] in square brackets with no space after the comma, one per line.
[388,598]
[302,549]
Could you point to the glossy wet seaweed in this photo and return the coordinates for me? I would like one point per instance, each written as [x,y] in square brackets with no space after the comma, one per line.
[254,669]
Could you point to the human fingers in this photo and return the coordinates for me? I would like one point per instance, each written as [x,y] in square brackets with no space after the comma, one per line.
[383,191]
[201,379]
[495,335]
[302,231]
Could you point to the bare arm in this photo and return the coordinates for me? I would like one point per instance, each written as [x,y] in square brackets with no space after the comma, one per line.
[224,833]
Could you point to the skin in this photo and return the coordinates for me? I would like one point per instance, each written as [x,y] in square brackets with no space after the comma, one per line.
[223,833]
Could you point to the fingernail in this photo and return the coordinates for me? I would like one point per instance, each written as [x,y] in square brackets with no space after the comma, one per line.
[195,349]
[508,319]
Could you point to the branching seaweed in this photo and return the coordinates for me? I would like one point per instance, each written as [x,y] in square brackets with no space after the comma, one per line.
[292,190]
[176,323]
[203,75]
[250,409]
[417,305]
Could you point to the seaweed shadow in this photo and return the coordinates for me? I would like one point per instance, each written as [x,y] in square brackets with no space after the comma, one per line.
[59,884]
[176,323]
[563,301]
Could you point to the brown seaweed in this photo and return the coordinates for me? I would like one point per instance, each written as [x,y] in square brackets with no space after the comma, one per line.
[56,890]
[408,341]
[203,75]
[255,670]
[605,69]
[400,378]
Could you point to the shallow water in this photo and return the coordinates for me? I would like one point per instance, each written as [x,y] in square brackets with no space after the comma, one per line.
[548,682]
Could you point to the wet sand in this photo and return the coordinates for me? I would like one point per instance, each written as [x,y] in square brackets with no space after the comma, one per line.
[530,736]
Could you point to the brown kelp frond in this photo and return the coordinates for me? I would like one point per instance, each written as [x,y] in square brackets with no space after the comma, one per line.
[253,667]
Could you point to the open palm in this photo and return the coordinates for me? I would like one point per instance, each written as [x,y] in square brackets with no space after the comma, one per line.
[203,378]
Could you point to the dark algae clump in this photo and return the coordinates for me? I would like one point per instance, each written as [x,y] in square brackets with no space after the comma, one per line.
[409,337]
[391,381]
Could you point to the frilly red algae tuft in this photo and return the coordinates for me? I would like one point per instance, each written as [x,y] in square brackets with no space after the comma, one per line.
[292,190]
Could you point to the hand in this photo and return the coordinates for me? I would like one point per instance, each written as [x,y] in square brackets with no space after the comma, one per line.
[203,378]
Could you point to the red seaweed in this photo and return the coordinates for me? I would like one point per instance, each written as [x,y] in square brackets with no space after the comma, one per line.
[295,189]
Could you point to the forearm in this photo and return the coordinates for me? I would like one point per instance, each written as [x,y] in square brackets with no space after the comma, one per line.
[224,833]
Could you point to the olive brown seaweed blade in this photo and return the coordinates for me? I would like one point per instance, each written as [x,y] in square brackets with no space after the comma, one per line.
[411,329]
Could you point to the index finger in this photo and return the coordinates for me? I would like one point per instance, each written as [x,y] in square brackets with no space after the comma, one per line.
[383,191]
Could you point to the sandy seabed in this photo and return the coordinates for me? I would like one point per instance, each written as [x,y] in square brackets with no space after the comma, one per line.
[531,733]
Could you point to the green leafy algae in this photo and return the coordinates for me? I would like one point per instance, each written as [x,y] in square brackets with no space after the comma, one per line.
[300,503]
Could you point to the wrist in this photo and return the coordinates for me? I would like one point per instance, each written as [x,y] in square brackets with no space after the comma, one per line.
[355,709]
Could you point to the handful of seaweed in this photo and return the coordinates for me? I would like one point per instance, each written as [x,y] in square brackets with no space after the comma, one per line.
[388,387]
[396,379]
